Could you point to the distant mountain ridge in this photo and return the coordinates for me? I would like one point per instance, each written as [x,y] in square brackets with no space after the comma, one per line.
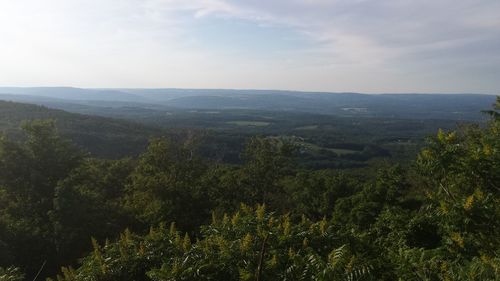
[70,93]
[414,106]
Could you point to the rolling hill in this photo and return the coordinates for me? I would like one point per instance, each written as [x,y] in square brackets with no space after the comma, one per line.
[410,106]
[104,137]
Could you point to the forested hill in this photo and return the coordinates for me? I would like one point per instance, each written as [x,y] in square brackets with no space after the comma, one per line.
[72,217]
[104,137]
[407,106]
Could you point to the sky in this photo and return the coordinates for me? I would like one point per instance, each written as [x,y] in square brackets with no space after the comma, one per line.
[371,46]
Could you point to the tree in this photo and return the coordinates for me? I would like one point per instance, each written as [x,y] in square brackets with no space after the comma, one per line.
[11,274]
[494,113]
[29,174]
[459,173]
[165,186]
[267,160]
[88,203]
[251,244]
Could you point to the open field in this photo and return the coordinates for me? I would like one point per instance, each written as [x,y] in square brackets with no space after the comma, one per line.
[249,123]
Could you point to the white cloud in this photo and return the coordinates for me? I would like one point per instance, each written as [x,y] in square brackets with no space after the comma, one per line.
[366,45]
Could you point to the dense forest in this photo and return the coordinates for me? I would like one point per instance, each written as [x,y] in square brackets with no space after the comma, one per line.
[323,141]
[172,213]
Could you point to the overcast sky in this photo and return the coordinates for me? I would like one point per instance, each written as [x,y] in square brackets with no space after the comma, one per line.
[322,45]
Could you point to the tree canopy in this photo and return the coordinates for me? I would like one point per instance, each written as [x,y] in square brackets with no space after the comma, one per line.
[171,214]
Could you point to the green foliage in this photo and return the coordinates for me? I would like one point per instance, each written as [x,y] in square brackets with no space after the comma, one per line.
[102,137]
[438,219]
[230,248]
[165,186]
[464,167]
[11,274]
[315,194]
[88,203]
[258,180]
[495,114]
[459,171]
[29,174]
[266,163]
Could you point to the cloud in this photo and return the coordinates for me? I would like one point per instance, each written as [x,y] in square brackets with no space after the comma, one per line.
[406,26]
[388,45]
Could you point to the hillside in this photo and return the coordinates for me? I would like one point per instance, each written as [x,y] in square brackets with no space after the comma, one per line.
[103,137]
[435,219]
[326,140]
[410,106]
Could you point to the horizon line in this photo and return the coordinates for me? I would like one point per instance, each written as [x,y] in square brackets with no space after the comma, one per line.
[253,89]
